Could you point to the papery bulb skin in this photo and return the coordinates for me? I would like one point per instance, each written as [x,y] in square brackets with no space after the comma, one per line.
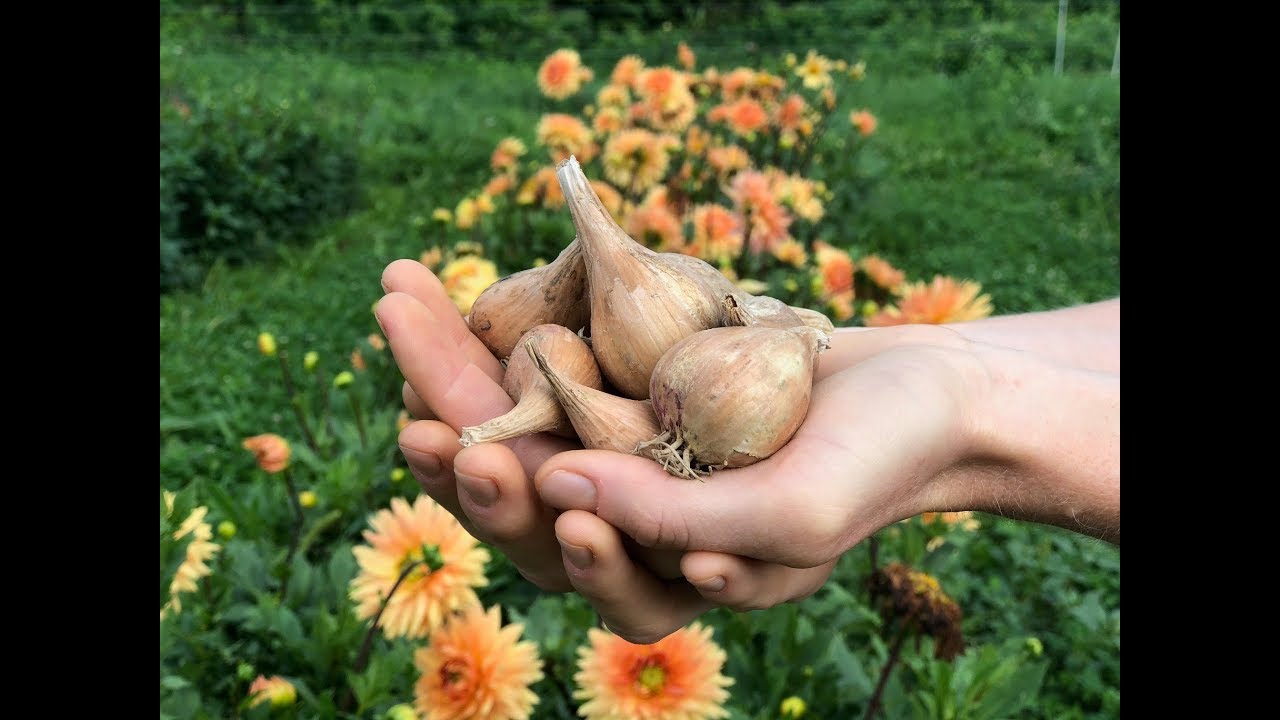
[732,396]
[642,302]
[554,294]
[537,409]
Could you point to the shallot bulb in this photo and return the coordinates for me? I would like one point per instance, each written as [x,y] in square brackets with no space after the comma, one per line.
[537,409]
[732,396]
[555,293]
[642,302]
[602,421]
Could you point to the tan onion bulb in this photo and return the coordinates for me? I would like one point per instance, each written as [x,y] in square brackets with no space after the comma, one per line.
[732,396]
[555,294]
[642,302]
[537,409]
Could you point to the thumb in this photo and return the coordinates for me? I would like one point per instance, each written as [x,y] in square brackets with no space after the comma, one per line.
[758,512]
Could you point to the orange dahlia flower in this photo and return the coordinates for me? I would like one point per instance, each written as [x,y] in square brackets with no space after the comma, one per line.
[473,669]
[626,71]
[864,121]
[449,565]
[882,273]
[562,74]
[270,450]
[677,677]
[942,301]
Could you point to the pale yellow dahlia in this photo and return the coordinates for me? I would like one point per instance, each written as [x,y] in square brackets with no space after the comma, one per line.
[635,160]
[564,135]
[199,551]
[474,669]
[676,678]
[449,565]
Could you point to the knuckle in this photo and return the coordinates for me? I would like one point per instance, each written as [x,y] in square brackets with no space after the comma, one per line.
[546,581]
[665,529]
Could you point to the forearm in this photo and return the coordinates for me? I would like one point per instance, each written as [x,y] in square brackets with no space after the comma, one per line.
[1085,336]
[1045,445]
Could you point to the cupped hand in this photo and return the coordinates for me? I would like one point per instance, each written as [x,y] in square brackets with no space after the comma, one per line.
[888,420]
[452,381]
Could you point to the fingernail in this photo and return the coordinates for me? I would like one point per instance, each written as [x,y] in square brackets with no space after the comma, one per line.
[423,463]
[711,584]
[482,491]
[579,557]
[567,491]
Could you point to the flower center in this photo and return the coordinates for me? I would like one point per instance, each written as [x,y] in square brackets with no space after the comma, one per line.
[427,558]
[455,678]
[651,675]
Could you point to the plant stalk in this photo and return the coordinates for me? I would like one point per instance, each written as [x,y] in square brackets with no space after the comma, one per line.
[363,657]
[894,652]
[294,400]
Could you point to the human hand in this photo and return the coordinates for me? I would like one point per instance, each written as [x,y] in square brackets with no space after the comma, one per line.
[452,381]
[902,420]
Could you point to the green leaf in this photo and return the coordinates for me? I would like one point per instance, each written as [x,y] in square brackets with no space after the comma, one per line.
[174,682]
[855,683]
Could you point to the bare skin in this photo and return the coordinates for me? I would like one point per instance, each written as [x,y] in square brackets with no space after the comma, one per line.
[1014,415]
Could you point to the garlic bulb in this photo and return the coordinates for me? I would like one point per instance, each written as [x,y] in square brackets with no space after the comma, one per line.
[732,396]
[555,293]
[602,421]
[537,409]
[642,302]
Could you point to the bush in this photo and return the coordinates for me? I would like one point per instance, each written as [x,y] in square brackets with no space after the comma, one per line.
[239,172]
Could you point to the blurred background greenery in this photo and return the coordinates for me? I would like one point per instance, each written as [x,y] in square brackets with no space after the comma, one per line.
[304,145]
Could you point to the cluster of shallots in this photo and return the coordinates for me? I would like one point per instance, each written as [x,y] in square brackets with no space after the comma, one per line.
[636,351]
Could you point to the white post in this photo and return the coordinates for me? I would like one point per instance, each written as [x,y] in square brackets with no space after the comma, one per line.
[1062,37]
[1115,64]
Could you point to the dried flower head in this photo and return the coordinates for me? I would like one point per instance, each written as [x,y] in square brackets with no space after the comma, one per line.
[917,601]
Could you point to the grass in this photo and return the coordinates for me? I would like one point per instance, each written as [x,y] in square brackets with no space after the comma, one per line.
[1008,178]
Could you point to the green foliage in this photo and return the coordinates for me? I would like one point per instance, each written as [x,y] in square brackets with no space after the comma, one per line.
[896,37]
[998,172]
[242,170]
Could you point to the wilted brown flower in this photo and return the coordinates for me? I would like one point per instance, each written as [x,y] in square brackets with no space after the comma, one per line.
[918,602]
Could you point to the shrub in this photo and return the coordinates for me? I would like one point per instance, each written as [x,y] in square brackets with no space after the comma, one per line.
[239,172]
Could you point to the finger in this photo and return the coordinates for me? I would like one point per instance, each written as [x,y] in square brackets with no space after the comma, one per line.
[742,584]
[499,500]
[632,602]
[416,280]
[414,404]
[429,448]
[722,513]
[459,392]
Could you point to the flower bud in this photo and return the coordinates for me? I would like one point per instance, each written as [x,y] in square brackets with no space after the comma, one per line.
[793,707]
[397,475]
[403,711]
[276,690]
[309,360]
[343,379]
[307,499]
[227,529]
[244,671]
[267,344]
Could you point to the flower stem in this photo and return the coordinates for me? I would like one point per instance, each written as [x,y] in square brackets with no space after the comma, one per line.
[894,652]
[294,400]
[363,657]
[297,531]
[355,409]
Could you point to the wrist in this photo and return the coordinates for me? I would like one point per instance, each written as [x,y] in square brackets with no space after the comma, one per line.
[1043,444]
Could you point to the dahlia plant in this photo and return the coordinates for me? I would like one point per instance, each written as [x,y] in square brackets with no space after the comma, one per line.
[705,162]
